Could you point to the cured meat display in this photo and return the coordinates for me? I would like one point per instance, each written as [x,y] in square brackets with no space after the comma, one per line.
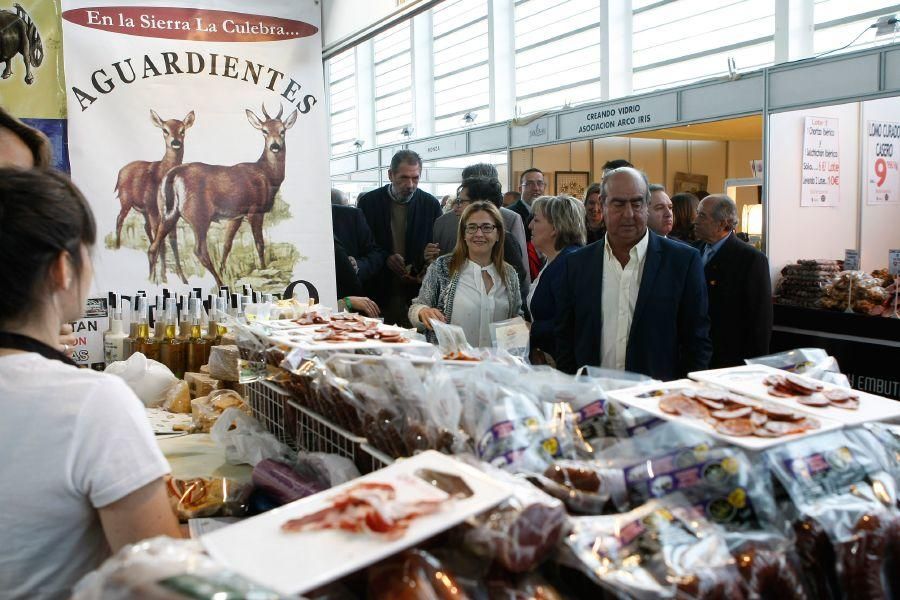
[861,291]
[804,283]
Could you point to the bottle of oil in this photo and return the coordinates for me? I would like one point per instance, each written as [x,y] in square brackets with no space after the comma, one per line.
[128,345]
[184,319]
[198,345]
[171,349]
[114,339]
[144,342]
[212,328]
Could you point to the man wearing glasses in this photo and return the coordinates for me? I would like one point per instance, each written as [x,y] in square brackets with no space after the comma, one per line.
[532,186]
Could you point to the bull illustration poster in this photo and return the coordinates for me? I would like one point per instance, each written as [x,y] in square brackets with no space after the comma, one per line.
[198,135]
[31,71]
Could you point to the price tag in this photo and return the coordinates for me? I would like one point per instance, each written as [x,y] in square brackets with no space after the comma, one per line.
[851,260]
[894,262]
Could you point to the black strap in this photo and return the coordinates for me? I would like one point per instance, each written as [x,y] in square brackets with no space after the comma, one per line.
[14,341]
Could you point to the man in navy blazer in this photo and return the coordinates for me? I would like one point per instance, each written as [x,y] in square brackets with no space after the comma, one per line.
[634,300]
[351,229]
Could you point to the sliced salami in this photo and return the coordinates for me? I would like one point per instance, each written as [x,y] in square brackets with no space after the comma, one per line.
[737,413]
[816,399]
[778,393]
[709,394]
[711,404]
[839,395]
[735,427]
[849,404]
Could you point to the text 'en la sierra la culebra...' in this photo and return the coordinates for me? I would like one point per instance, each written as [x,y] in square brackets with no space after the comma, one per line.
[191,25]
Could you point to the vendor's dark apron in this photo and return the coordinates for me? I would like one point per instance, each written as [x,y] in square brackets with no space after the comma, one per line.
[14,341]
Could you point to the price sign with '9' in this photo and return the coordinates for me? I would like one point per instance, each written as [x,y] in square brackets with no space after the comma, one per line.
[882,156]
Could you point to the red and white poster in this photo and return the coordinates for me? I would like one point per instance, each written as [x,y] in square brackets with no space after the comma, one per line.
[882,178]
[198,134]
[821,180]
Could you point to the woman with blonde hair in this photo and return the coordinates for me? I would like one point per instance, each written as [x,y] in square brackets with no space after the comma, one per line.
[472,287]
[557,229]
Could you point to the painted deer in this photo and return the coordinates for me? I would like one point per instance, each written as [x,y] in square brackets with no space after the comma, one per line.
[19,35]
[138,184]
[203,193]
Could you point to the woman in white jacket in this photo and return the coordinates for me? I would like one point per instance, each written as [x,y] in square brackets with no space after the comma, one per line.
[472,287]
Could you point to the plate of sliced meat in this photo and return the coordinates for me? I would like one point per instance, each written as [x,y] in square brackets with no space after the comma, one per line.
[737,419]
[847,406]
[321,538]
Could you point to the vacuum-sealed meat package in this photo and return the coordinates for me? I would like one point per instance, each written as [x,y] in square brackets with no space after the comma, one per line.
[662,549]
[522,532]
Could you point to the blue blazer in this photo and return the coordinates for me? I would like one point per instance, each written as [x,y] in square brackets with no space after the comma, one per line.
[670,330]
[543,304]
[351,229]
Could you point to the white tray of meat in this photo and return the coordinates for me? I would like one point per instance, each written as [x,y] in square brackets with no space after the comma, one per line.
[850,407]
[738,420]
[308,543]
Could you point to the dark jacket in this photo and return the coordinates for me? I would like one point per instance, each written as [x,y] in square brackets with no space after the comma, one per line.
[543,304]
[522,209]
[740,303]
[669,334]
[424,209]
[346,280]
[351,229]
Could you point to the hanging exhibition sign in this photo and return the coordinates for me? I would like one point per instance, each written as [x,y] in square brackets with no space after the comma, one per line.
[198,134]
[821,163]
[31,80]
[882,176]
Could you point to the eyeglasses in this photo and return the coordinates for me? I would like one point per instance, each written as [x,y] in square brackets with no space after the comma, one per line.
[485,228]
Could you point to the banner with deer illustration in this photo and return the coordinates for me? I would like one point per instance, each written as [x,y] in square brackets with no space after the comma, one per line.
[198,135]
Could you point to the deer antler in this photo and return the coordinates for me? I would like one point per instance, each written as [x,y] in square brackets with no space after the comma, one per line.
[280,111]
[265,114]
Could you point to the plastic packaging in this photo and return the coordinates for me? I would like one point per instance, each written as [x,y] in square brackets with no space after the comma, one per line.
[523,531]
[162,568]
[245,440]
[178,398]
[720,481]
[814,363]
[621,421]
[282,483]
[207,497]
[147,378]
[662,549]
[512,336]
[327,469]
[413,575]
[206,410]
[452,342]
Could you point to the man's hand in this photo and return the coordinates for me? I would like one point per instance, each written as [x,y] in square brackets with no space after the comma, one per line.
[353,262]
[365,306]
[432,251]
[67,340]
[397,265]
[428,313]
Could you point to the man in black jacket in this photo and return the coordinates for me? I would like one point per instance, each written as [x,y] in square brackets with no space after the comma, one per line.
[351,229]
[738,285]
[401,218]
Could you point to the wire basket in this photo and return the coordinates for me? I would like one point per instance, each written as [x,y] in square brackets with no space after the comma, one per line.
[314,433]
[268,402]
[370,459]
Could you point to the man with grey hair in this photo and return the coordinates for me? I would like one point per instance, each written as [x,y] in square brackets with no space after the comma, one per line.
[650,316]
[738,285]
[660,217]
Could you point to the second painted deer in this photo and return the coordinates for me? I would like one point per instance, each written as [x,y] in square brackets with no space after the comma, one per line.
[202,193]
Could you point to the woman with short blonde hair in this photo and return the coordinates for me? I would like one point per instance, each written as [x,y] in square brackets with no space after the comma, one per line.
[557,229]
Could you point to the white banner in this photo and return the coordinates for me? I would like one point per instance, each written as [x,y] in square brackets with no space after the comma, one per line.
[882,157]
[821,163]
[194,126]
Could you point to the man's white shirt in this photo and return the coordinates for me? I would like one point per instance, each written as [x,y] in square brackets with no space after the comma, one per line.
[619,295]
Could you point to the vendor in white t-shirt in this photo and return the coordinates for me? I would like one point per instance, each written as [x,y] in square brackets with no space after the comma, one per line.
[80,474]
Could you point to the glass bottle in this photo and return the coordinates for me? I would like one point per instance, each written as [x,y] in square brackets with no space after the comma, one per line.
[171,349]
[145,343]
[198,345]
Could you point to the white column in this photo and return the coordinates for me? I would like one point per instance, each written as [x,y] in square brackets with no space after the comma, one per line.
[365,93]
[793,29]
[423,74]
[502,43]
[615,47]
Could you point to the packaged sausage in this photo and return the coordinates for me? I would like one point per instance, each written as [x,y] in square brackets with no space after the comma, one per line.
[413,575]
[207,497]
[720,481]
[282,483]
[769,566]
[661,549]
[523,531]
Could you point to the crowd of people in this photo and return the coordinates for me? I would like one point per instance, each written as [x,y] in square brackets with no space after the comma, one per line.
[625,278]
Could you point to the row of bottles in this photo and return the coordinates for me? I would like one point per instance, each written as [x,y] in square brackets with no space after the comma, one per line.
[179,333]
